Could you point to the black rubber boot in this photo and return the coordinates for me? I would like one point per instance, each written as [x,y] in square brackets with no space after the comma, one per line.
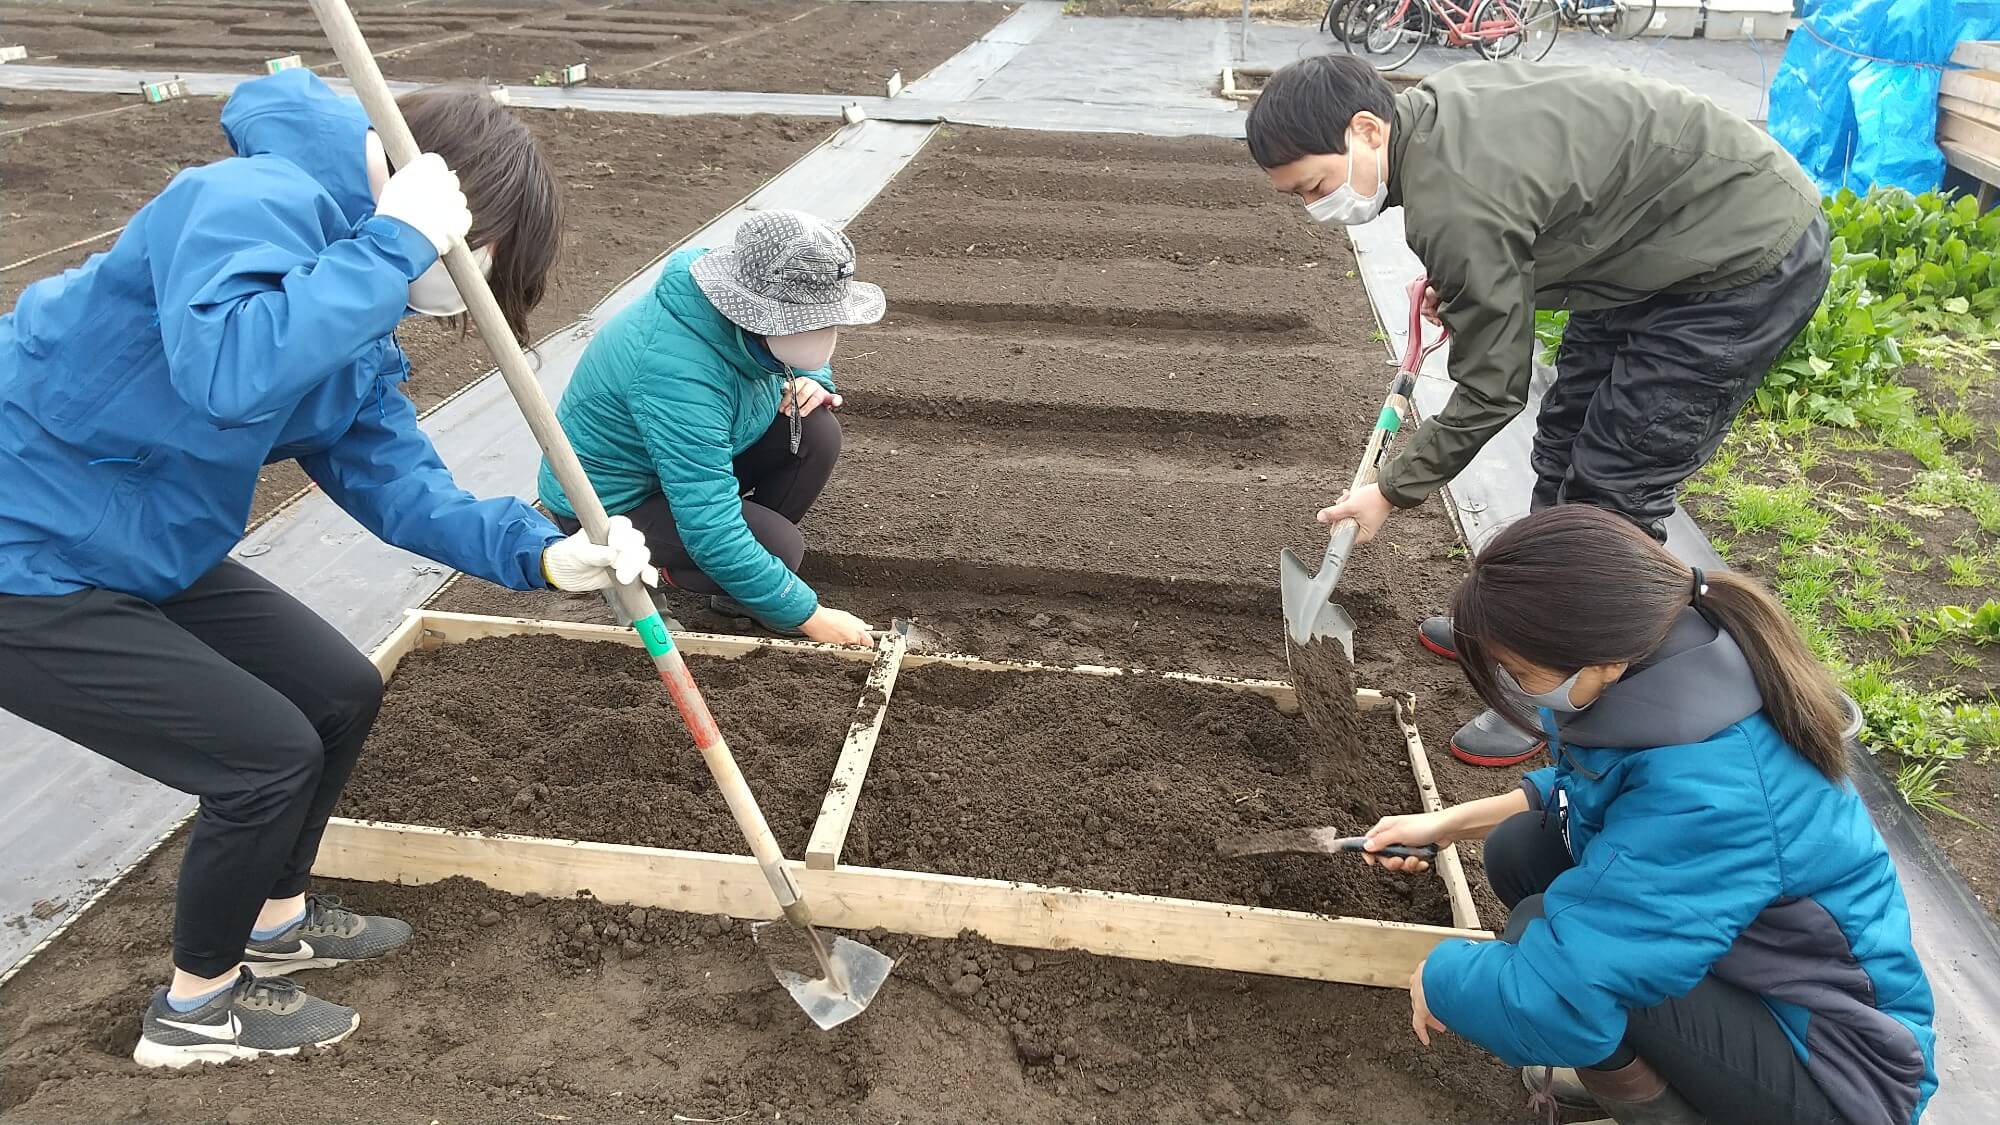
[1635,1094]
[1489,740]
[1435,634]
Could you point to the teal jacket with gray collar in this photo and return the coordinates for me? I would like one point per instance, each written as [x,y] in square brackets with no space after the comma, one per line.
[665,397]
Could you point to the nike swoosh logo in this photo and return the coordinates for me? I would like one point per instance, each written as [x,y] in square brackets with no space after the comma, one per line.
[224,1032]
[303,953]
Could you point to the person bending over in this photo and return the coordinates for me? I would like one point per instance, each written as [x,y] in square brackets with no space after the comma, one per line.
[1688,246]
[247,315]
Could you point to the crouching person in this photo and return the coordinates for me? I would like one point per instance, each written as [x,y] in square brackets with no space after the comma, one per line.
[1703,922]
[704,413]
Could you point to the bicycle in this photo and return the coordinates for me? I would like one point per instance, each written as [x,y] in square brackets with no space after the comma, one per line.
[1391,32]
[1613,19]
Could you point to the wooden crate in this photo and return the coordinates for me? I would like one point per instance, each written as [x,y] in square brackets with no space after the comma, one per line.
[1968,127]
[1145,927]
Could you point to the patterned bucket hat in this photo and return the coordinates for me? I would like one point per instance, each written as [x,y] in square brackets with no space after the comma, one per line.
[787,272]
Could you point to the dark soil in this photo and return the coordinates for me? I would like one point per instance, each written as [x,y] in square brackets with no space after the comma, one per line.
[578,740]
[634,185]
[1123,784]
[1073,439]
[510,1010]
[783,46]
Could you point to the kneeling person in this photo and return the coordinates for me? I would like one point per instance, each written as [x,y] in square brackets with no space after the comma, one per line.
[703,414]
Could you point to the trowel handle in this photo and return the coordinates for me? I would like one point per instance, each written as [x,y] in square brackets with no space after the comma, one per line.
[1414,350]
[1397,851]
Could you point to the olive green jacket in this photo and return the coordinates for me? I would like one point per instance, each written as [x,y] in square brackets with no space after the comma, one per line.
[1567,187]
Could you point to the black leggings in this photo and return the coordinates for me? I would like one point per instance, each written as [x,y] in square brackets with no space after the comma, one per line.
[230,690]
[778,488]
[1718,1046]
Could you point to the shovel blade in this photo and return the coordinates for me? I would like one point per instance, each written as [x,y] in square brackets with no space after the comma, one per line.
[1309,614]
[854,974]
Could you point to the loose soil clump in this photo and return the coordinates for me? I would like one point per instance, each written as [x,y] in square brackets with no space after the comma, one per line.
[578,740]
[1125,784]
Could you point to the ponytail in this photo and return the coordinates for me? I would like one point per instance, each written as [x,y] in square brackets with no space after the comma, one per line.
[1575,586]
[1800,696]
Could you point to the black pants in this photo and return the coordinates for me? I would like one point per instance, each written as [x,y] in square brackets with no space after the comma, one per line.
[231,691]
[1645,393]
[1718,1046]
[778,488]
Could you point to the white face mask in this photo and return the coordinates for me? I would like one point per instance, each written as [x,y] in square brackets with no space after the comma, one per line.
[1556,699]
[804,351]
[434,294]
[1343,205]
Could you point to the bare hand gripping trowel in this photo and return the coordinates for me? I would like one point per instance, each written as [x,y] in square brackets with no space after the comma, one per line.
[1310,612]
[850,973]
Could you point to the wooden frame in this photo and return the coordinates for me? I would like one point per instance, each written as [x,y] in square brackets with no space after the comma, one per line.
[1146,927]
[1968,124]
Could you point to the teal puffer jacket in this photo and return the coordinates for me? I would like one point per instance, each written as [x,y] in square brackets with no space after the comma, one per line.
[666,395]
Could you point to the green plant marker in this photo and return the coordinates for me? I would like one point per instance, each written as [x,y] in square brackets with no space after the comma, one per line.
[653,632]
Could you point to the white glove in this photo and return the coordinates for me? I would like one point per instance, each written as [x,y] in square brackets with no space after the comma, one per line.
[425,195]
[576,563]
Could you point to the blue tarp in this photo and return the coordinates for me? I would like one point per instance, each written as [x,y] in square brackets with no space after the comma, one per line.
[1855,98]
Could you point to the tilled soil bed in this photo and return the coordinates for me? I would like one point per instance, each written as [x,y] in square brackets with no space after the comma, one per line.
[549,737]
[633,186]
[506,1009]
[1124,784]
[781,46]
[1117,375]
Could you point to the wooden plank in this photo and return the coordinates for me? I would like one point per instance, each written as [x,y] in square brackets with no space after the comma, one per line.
[1984,168]
[1450,867]
[455,628]
[398,644]
[1969,110]
[1145,927]
[1277,691]
[843,793]
[1977,54]
[1980,87]
[1970,134]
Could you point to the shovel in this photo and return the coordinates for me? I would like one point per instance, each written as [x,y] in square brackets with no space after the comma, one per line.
[1313,841]
[850,974]
[1310,612]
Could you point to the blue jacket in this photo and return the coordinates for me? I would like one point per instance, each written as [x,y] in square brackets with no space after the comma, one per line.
[1704,844]
[246,315]
[665,397]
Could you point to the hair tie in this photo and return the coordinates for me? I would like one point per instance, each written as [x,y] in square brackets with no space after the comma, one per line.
[1700,588]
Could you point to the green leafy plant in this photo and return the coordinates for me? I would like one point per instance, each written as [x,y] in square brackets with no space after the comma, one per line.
[1904,267]
[1900,718]
[1980,624]
[1549,325]
[1922,785]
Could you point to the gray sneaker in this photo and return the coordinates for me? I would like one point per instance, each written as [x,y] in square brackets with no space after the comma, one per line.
[328,935]
[255,1017]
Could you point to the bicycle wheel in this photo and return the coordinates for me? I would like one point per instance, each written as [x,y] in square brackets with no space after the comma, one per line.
[1516,27]
[1628,19]
[1331,21]
[1389,32]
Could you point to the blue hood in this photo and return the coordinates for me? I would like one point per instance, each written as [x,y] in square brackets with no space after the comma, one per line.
[294,115]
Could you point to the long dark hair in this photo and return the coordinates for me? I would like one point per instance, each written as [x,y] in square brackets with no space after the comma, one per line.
[1574,586]
[516,203]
